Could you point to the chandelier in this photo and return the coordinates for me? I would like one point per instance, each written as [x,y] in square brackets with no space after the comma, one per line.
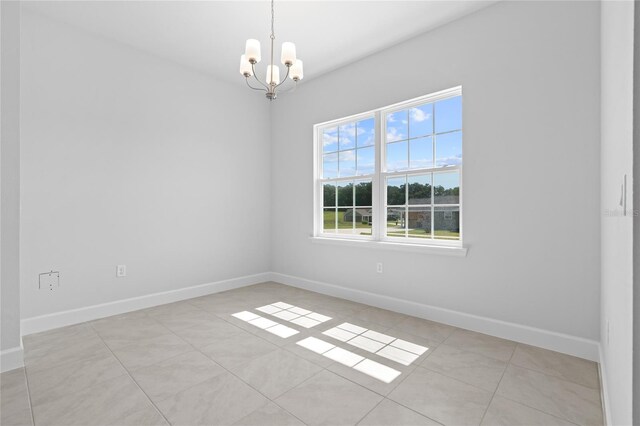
[288,58]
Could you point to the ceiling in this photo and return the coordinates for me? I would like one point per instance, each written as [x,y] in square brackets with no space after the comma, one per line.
[209,35]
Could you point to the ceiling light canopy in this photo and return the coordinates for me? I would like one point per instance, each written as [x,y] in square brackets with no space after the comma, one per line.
[252,56]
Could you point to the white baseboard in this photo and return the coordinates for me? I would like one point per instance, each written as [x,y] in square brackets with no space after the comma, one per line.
[89,313]
[604,391]
[10,359]
[576,346]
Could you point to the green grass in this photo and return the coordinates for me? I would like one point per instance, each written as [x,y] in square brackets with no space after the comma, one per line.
[330,222]
[392,230]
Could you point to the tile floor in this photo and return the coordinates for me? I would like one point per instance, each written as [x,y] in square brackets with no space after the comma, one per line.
[193,363]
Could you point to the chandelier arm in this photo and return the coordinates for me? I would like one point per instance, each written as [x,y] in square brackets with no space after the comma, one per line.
[246,79]
[284,79]
[253,69]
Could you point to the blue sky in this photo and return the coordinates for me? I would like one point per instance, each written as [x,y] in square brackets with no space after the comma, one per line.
[355,140]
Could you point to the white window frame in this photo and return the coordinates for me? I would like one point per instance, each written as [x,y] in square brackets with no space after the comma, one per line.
[379,202]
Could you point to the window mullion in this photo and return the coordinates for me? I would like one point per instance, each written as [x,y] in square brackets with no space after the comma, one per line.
[433,210]
[406,206]
[378,201]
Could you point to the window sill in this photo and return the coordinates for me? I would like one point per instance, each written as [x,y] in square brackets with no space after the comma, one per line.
[385,245]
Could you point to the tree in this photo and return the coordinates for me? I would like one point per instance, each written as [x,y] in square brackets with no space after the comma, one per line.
[329,196]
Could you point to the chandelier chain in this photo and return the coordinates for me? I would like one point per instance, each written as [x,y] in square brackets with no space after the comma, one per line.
[273,33]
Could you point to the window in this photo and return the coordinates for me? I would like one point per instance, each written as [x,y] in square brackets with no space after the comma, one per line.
[393,174]
[348,167]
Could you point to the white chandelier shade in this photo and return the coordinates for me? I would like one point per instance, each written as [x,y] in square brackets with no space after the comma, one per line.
[252,50]
[288,53]
[273,74]
[296,70]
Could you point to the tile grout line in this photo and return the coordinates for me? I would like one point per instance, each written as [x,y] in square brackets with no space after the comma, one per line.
[520,402]
[508,362]
[498,385]
[368,412]
[562,379]
[323,369]
[26,379]
[411,409]
[269,399]
[231,372]
[129,374]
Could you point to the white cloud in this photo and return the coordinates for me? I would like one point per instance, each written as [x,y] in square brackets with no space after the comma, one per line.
[348,155]
[421,163]
[454,160]
[394,134]
[329,137]
[419,115]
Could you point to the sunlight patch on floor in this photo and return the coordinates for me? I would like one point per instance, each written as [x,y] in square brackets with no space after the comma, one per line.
[266,324]
[364,365]
[294,314]
[389,347]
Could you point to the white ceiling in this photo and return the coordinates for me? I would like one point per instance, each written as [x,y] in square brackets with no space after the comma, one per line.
[210,35]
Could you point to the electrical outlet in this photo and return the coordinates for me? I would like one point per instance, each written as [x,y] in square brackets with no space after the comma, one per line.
[379,267]
[121,271]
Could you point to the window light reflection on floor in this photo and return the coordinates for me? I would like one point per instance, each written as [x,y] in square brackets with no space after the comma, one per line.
[266,324]
[364,365]
[389,347]
[294,314]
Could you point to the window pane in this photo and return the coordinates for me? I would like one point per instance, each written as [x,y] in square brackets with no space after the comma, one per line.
[330,165]
[364,220]
[419,222]
[347,135]
[421,121]
[449,149]
[420,189]
[347,163]
[446,188]
[397,156]
[330,140]
[395,222]
[447,223]
[329,195]
[345,194]
[421,153]
[365,132]
[364,191]
[397,126]
[329,221]
[345,221]
[448,114]
[395,191]
[366,160]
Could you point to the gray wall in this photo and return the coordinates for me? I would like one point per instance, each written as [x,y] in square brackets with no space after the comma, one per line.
[10,167]
[617,229]
[131,159]
[530,77]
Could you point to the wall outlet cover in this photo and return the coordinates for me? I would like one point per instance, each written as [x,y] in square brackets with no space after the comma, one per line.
[121,271]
